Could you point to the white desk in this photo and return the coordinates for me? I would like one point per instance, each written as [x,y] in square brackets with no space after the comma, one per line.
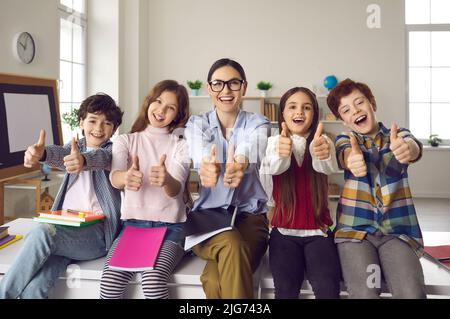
[185,281]
[437,279]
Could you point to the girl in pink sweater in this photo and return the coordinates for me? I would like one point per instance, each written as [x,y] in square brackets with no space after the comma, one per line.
[151,166]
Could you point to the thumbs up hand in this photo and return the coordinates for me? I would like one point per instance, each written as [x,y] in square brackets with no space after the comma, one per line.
[209,169]
[234,169]
[355,159]
[34,153]
[400,147]
[284,145]
[158,174]
[321,147]
[74,162]
[133,177]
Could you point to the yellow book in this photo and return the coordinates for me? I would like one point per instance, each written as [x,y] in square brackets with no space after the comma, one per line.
[16,238]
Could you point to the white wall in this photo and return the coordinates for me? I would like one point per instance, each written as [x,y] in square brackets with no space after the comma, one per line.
[430,177]
[290,43]
[41,19]
[103,47]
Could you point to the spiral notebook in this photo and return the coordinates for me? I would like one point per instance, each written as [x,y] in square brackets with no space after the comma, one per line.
[138,249]
[204,224]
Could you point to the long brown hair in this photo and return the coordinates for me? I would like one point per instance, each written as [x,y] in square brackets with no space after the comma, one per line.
[183,105]
[319,181]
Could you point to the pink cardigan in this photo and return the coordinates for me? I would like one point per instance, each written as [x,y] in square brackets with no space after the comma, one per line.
[151,202]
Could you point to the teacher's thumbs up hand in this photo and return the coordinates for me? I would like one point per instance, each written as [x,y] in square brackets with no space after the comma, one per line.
[133,177]
[321,147]
[234,168]
[399,147]
[284,145]
[355,159]
[34,153]
[74,162]
[209,169]
[158,174]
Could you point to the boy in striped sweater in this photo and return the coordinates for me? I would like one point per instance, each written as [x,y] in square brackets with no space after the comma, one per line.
[48,249]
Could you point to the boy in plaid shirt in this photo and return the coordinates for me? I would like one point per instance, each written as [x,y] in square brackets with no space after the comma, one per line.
[377,226]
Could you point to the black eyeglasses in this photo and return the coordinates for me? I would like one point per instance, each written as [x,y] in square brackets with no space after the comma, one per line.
[233,85]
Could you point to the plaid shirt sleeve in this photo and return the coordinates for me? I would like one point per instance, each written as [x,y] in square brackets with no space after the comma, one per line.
[342,143]
[381,200]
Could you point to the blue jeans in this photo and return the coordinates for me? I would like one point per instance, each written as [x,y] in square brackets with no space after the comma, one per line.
[174,231]
[46,253]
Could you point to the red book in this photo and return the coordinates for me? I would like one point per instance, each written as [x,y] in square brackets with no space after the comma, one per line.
[439,255]
[137,249]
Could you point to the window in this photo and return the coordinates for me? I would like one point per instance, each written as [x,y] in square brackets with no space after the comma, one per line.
[428,36]
[72,63]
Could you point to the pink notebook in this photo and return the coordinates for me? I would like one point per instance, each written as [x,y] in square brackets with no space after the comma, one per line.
[137,249]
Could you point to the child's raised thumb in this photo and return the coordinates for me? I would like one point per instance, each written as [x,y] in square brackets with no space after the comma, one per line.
[74,146]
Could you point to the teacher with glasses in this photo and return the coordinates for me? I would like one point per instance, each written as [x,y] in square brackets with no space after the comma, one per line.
[226,146]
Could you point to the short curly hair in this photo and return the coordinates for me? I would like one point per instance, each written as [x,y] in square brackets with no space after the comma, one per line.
[101,103]
[345,88]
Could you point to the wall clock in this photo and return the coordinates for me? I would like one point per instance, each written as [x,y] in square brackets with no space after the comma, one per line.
[24,47]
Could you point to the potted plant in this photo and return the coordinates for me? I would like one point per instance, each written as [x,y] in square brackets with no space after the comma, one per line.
[263,87]
[194,86]
[71,119]
[434,140]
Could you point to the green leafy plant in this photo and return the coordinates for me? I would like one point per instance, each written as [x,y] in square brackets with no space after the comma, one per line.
[434,140]
[194,85]
[71,119]
[265,86]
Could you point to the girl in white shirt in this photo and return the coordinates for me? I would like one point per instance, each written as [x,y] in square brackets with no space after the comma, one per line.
[298,161]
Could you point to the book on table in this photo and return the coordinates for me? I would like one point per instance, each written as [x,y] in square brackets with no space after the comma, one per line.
[3,231]
[6,239]
[137,249]
[439,255]
[69,217]
[201,225]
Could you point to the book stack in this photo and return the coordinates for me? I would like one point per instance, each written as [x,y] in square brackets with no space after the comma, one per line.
[271,111]
[74,218]
[7,239]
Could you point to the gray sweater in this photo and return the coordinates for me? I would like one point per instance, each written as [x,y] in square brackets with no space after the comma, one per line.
[97,161]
